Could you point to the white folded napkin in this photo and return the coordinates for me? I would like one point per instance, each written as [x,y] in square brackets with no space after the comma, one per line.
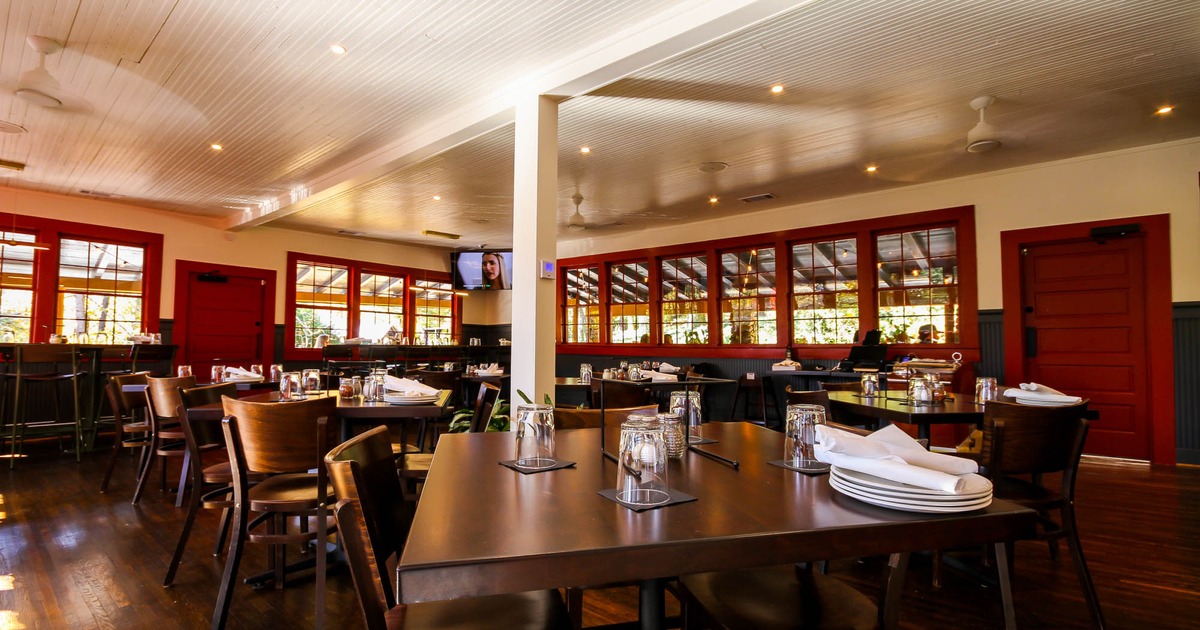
[667,368]
[891,441]
[396,384]
[659,377]
[241,373]
[1041,393]
[895,470]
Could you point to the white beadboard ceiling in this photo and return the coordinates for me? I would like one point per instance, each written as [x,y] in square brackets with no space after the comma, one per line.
[362,142]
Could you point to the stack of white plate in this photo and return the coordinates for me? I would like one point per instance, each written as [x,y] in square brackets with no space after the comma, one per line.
[410,399]
[1040,402]
[976,494]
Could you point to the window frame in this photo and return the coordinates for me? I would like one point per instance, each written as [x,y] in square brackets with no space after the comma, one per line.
[600,305]
[46,262]
[863,232]
[356,268]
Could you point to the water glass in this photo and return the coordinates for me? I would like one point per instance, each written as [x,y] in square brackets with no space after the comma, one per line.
[217,374]
[585,373]
[642,462]
[870,384]
[156,338]
[276,372]
[535,436]
[183,370]
[686,405]
[801,434]
[291,386]
[256,369]
[312,380]
[986,389]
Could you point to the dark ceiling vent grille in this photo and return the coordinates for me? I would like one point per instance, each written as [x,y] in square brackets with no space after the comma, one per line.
[754,198]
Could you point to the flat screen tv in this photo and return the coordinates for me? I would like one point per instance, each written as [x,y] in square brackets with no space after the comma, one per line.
[485,270]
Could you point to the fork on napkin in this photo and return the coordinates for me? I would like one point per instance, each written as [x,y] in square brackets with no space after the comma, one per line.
[891,454]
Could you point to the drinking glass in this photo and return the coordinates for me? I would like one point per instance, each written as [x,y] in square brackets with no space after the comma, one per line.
[986,389]
[535,436]
[156,338]
[686,405]
[585,373]
[256,369]
[870,384]
[276,372]
[217,374]
[642,462]
[183,370]
[801,434]
[291,386]
[312,380]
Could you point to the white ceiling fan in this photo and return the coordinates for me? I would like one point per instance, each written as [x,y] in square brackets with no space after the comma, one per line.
[38,87]
[984,136]
[577,222]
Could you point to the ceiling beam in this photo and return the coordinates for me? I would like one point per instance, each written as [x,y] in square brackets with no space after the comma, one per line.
[652,41]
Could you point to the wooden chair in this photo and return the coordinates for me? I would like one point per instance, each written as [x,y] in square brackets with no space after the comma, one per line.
[373,521]
[821,397]
[211,484]
[282,442]
[129,432]
[619,394]
[167,441]
[414,467]
[1035,441]
[444,379]
[576,418]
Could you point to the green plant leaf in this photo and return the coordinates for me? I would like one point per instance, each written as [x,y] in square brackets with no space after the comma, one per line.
[547,400]
[524,397]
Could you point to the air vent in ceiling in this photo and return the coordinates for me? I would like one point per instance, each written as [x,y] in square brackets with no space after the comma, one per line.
[95,193]
[349,232]
[754,198]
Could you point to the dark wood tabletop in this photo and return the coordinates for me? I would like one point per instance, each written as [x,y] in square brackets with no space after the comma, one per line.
[894,407]
[483,529]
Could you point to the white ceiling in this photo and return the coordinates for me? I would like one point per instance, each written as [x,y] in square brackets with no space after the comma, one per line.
[421,103]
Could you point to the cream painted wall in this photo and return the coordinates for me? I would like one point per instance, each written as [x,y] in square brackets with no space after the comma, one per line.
[1158,179]
[186,238]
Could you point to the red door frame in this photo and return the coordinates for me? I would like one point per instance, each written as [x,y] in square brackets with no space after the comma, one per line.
[1160,356]
[183,268]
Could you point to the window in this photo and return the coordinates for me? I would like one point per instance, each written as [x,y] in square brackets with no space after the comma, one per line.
[918,286]
[321,305]
[825,292]
[381,306]
[99,289]
[434,309]
[581,311]
[629,303]
[16,289]
[748,297]
[685,300]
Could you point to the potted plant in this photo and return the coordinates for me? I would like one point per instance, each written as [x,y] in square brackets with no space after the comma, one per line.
[460,422]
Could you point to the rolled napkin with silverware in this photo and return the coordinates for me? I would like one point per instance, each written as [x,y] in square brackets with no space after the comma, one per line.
[876,457]
[396,384]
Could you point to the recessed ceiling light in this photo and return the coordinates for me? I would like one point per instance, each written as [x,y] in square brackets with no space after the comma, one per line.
[712,167]
[337,49]
[776,89]
[1165,109]
[713,199]
[585,149]
[872,168]
[215,147]
[437,197]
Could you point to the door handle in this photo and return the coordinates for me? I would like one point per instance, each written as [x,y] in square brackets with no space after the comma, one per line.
[1031,341]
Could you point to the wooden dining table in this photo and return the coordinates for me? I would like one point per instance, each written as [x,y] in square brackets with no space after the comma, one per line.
[483,529]
[894,407]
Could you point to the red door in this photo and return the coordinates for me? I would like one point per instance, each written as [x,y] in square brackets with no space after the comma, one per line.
[224,321]
[1085,331]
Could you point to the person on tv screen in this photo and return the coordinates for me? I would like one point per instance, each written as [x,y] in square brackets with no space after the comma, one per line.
[495,274]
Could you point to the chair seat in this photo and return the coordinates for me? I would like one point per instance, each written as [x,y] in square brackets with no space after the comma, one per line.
[536,609]
[774,597]
[416,464]
[222,472]
[405,449]
[135,427]
[283,492]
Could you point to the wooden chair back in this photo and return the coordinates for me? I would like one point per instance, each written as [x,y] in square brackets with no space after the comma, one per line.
[442,379]
[621,394]
[162,394]
[123,402]
[1022,439]
[337,352]
[282,437]
[202,434]
[575,418]
[372,590]
[363,473]
[485,402]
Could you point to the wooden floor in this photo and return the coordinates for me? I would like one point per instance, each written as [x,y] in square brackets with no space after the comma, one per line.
[71,557]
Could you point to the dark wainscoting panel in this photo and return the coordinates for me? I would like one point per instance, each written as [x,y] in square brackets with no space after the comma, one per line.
[489,334]
[991,344]
[1187,382]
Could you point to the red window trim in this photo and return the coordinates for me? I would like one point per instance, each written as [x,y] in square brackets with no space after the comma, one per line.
[356,268]
[863,231]
[45,266]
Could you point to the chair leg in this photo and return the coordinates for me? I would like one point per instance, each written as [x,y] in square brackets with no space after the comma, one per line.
[226,515]
[183,478]
[147,466]
[575,607]
[237,544]
[1085,576]
[322,534]
[193,507]
[112,463]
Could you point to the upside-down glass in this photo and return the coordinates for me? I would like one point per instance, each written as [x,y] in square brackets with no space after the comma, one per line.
[535,436]
[276,372]
[291,386]
[986,389]
[256,369]
[870,384]
[312,380]
[686,405]
[217,375]
[801,434]
[642,462]
[183,370]
[585,373]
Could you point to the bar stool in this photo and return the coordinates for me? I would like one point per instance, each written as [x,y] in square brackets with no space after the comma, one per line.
[29,370]
[755,388]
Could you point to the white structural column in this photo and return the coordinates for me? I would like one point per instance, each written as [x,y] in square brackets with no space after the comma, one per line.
[535,186]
